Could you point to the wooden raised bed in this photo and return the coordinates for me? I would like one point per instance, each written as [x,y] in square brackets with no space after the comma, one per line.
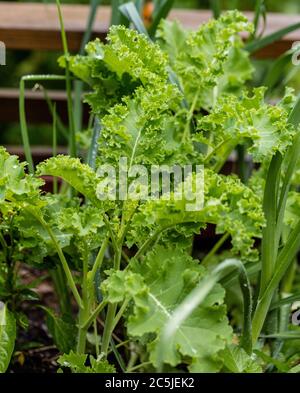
[35,26]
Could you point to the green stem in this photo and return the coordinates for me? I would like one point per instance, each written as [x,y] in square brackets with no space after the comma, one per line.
[190,114]
[215,150]
[23,125]
[215,249]
[111,232]
[137,367]
[54,146]
[216,8]
[242,164]
[270,203]
[72,140]
[60,126]
[93,316]
[112,308]
[3,244]
[156,234]
[84,311]
[109,321]
[292,157]
[99,259]
[119,314]
[285,258]
[60,253]
[78,85]
[148,243]
[22,114]
[96,338]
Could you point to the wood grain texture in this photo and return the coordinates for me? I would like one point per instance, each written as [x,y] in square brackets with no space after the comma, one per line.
[37,111]
[35,26]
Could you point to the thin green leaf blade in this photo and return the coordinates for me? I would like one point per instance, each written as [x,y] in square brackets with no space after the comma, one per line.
[130,11]
[161,12]
[7,336]
[261,43]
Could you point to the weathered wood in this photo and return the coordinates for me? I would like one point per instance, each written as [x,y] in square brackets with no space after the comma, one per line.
[37,111]
[39,153]
[35,25]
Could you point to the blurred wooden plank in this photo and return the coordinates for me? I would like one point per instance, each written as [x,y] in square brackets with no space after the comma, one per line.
[37,111]
[35,26]
[40,153]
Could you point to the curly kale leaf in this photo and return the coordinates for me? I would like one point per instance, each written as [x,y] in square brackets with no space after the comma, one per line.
[77,363]
[115,69]
[145,129]
[79,176]
[210,61]
[250,120]
[15,184]
[230,205]
[157,286]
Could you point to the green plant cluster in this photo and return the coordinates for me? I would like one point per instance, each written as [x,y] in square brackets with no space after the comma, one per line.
[181,97]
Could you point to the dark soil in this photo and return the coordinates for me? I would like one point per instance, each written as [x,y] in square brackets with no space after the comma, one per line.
[34,349]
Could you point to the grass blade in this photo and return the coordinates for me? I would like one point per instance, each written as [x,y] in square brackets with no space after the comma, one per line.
[139,5]
[260,11]
[130,11]
[285,258]
[215,6]
[269,242]
[78,85]
[274,74]
[72,136]
[286,300]
[59,123]
[161,11]
[283,336]
[22,112]
[54,145]
[261,43]
[23,126]
[117,18]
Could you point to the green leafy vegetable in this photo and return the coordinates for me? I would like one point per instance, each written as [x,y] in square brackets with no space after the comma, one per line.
[177,273]
[7,336]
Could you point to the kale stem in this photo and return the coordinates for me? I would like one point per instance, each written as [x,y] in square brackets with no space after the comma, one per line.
[99,259]
[111,232]
[4,244]
[130,370]
[84,311]
[94,315]
[96,338]
[111,312]
[61,255]
[120,313]
[187,128]
[112,308]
